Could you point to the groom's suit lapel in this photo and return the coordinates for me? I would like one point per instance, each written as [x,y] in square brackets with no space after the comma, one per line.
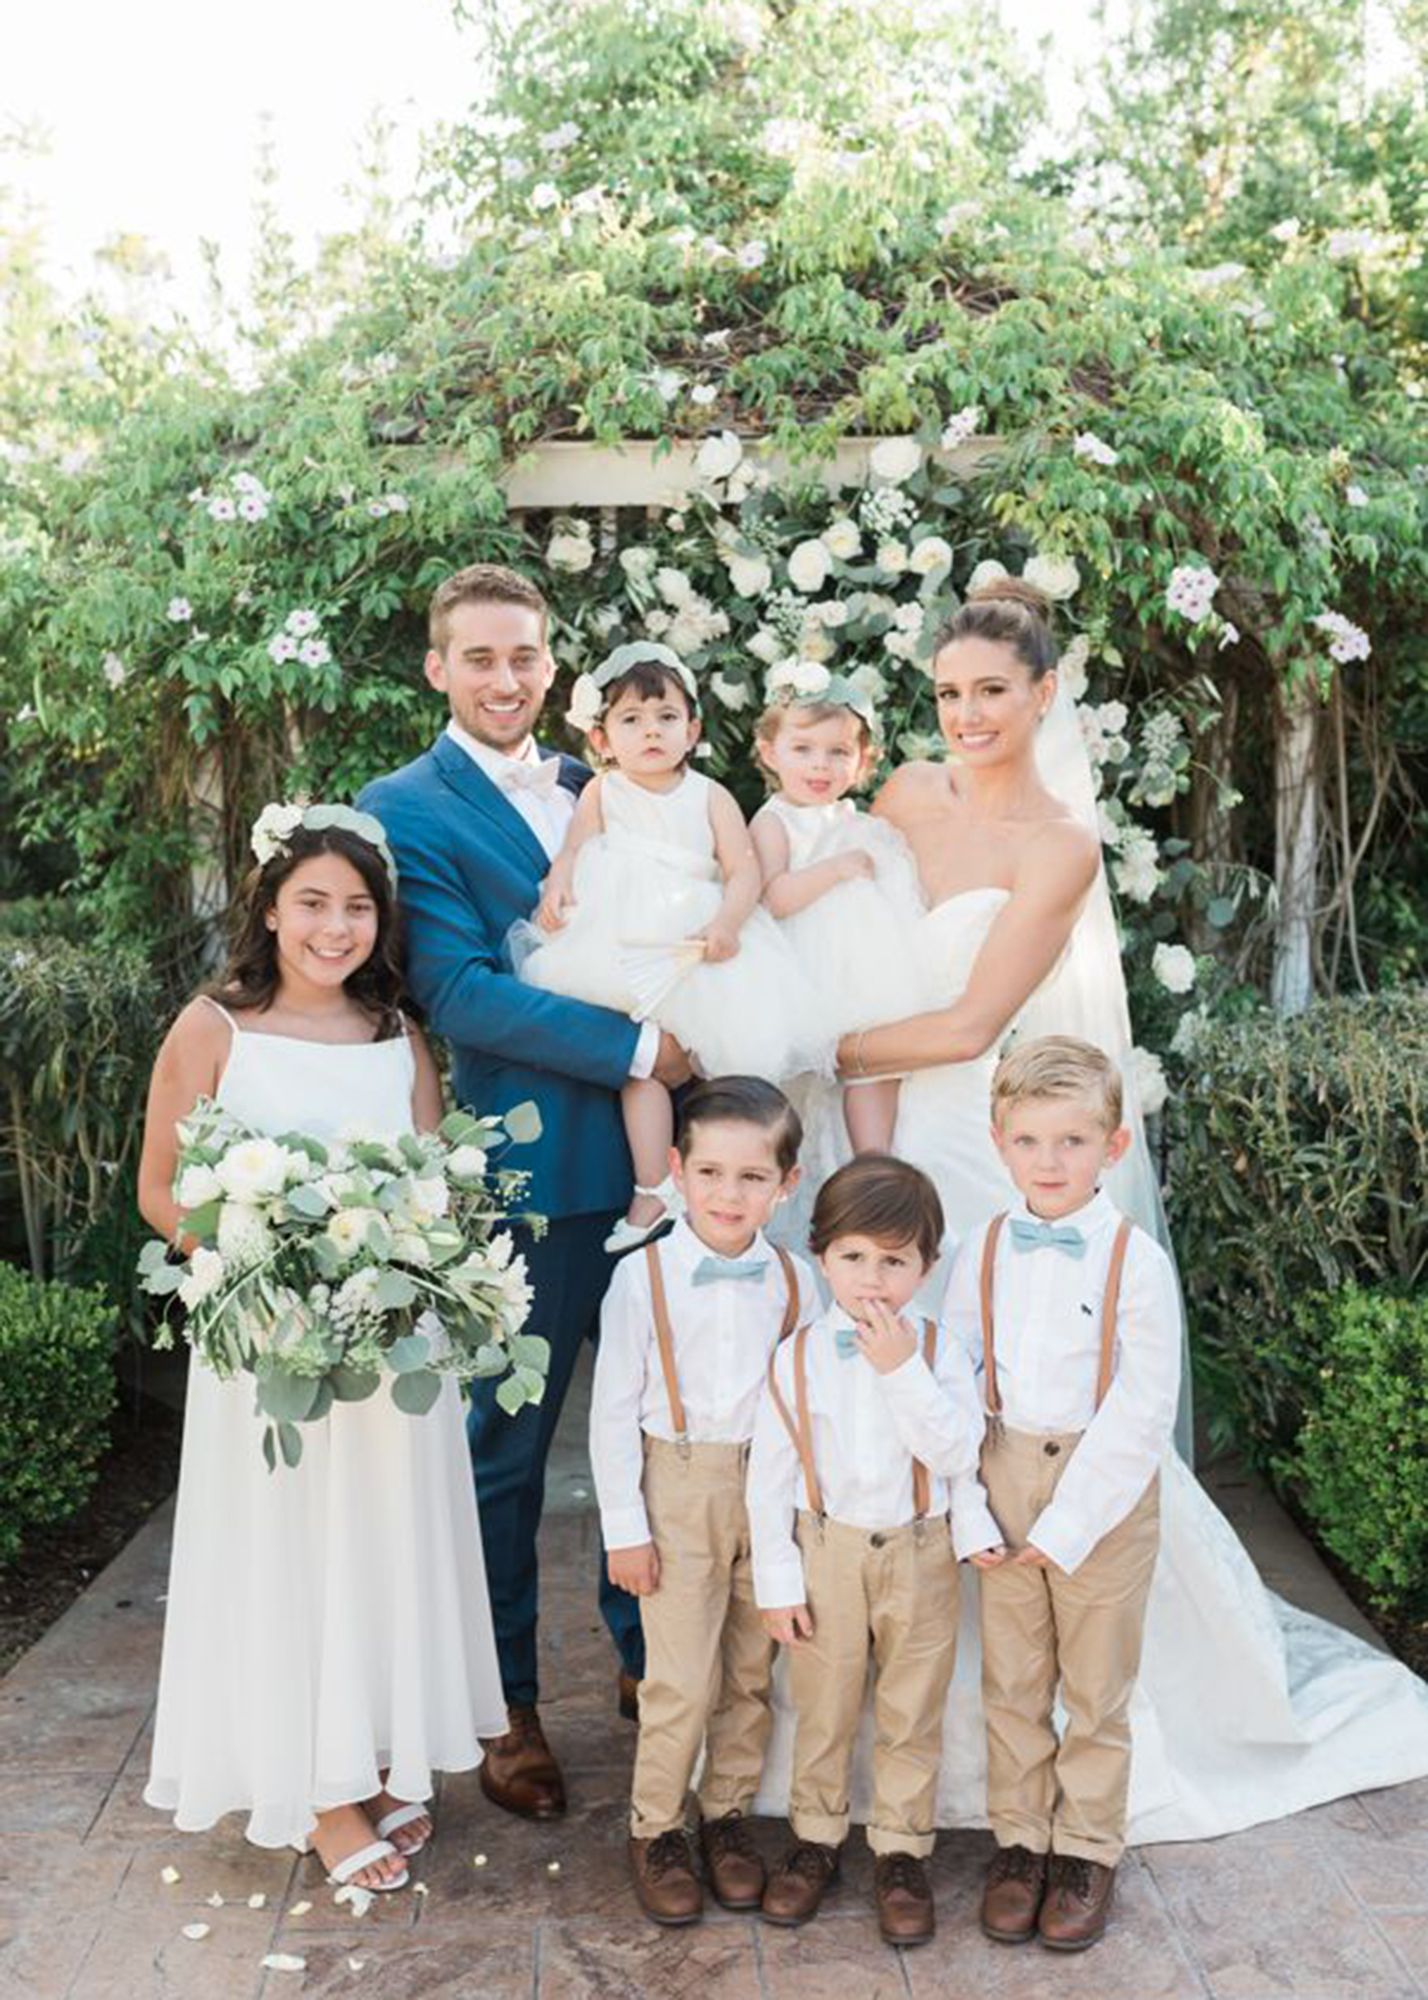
[466,778]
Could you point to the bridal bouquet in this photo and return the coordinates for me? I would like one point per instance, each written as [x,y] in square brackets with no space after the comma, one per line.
[320,1268]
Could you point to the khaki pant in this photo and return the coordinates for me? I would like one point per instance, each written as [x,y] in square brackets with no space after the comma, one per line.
[892,1593]
[707,1656]
[1041,1627]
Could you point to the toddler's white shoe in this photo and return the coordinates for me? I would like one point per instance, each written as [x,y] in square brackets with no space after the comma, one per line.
[627,1235]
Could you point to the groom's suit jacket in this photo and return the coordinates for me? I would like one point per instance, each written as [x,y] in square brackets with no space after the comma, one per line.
[469,866]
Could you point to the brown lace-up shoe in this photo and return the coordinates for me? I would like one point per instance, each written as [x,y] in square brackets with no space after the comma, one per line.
[905,1912]
[1078,1901]
[519,1772]
[796,1889]
[1011,1899]
[734,1866]
[665,1881]
[627,1696]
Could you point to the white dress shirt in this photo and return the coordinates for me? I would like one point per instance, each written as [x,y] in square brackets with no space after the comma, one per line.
[1047,1322]
[867,1430]
[723,1334]
[548,814]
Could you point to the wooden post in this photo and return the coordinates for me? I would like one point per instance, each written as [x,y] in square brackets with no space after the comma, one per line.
[1296,826]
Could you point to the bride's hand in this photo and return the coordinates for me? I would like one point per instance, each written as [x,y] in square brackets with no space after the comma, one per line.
[990,1558]
[884,1339]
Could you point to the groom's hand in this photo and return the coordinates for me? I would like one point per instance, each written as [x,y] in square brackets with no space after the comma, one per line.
[790,1626]
[635,1570]
[671,1064]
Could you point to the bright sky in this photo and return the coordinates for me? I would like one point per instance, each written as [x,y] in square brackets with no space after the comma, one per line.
[154,110]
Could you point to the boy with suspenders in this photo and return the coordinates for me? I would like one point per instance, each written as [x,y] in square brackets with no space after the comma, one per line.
[1073,1316]
[868,1432]
[686,1332]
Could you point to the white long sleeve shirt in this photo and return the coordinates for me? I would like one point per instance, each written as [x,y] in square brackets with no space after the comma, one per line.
[867,1430]
[723,1335]
[1047,1323]
[548,815]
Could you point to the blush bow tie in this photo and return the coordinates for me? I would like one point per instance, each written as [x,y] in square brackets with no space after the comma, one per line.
[1038,1235]
[543,778]
[713,1270]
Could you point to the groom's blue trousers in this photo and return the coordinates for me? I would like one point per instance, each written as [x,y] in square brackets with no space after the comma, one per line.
[569,1271]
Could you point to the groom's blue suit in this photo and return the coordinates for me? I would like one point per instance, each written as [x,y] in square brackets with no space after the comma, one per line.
[469,866]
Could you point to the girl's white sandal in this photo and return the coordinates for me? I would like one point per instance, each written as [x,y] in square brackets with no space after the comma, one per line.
[630,1235]
[353,1864]
[399,1817]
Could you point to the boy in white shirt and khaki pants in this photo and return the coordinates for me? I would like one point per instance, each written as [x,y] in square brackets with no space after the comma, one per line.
[686,1332]
[1073,1316]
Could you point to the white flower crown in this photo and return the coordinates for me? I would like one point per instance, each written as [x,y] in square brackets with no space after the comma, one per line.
[276,824]
[587,696]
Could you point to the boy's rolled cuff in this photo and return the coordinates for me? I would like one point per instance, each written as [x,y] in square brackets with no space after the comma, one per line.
[625,1527]
[974,1526]
[779,1585]
[1067,1547]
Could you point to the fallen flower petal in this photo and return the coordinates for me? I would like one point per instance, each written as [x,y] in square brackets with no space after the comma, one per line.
[357,1896]
[169,1875]
[478,1861]
[552,1867]
[284,1961]
[257,1901]
[215,1901]
[299,1909]
[195,1931]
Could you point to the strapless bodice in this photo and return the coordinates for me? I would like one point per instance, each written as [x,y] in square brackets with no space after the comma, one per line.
[951,935]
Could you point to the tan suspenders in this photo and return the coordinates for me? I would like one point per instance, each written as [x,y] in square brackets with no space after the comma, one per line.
[801,1431]
[1109,1306]
[664,1332]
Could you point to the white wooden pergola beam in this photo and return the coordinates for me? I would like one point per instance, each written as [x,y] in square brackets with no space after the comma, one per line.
[564,474]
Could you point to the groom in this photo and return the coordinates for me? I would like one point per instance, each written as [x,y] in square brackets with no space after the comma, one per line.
[474,825]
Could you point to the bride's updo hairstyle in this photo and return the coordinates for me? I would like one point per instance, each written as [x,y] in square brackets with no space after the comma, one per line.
[1008,611]
[250,978]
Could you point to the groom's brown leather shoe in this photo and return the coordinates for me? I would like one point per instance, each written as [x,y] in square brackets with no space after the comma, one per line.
[519,1773]
[1078,1901]
[1011,1899]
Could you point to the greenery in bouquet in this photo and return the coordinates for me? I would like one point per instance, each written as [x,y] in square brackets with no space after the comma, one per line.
[321,1267]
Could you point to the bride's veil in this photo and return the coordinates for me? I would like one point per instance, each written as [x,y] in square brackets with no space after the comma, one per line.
[1087,998]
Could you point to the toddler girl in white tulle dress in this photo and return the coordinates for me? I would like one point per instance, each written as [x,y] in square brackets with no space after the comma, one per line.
[842,884]
[652,907]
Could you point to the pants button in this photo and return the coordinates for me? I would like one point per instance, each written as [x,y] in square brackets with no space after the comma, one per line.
[876,1541]
[1051,1450]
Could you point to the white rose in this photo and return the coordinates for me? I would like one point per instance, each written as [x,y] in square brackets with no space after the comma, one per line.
[206,1272]
[808,566]
[815,644]
[765,645]
[571,553]
[196,1186]
[1058,576]
[674,587]
[895,459]
[243,1236]
[347,1230]
[892,558]
[990,571]
[842,539]
[718,456]
[586,704]
[806,677]
[272,828]
[1148,1081]
[1112,716]
[1174,966]
[639,564]
[466,1163]
[1071,667]
[931,553]
[251,1168]
[830,612]
[732,695]
[901,645]
[432,1197]
[869,683]
[750,575]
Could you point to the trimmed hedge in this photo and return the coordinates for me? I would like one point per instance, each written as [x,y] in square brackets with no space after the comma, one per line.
[56,1395]
[1360,1470]
[1299,1156]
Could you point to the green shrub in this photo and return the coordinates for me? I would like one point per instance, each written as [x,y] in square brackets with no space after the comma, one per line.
[1299,1154]
[1360,1470]
[56,1393]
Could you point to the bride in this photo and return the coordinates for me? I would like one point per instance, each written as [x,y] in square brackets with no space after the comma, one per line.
[1246,1708]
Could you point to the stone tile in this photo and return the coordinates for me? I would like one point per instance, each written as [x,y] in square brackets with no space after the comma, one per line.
[1384,1874]
[220,1862]
[1408,1936]
[390,1915]
[839,1952]
[138,1957]
[591,1878]
[79,1729]
[484,1965]
[51,1801]
[615,1960]
[1266,1918]
[1399,1809]
[54,1896]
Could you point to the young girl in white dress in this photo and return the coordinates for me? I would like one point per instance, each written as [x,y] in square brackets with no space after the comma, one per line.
[652,907]
[328,1641]
[842,885]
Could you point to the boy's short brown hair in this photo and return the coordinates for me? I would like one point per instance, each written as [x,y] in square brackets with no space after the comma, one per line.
[742,1100]
[1057,1066]
[878,1196]
[481,583]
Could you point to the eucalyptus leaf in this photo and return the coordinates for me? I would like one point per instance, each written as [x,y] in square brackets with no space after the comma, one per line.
[287,1397]
[202,1221]
[491,1359]
[416,1393]
[308,1201]
[322,1402]
[408,1354]
[531,1350]
[511,1396]
[523,1123]
[351,1385]
[393,1290]
[270,1447]
[290,1443]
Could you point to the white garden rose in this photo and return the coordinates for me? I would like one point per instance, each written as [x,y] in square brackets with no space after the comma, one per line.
[196,1186]
[347,1230]
[466,1163]
[868,682]
[1071,667]
[1058,576]
[273,828]
[815,644]
[1137,867]
[805,677]
[892,558]
[1174,966]
[765,645]
[674,586]
[732,695]
[251,1168]
[901,645]
[638,563]
[808,566]
[931,553]
[244,1238]
[990,571]
[842,539]
[206,1272]
[572,552]
[586,704]
[718,456]
[430,1198]
[1148,1081]
[831,613]
[895,459]
[750,576]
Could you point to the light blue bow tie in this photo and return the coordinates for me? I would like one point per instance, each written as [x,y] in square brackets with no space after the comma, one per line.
[845,1339]
[713,1270]
[1037,1235]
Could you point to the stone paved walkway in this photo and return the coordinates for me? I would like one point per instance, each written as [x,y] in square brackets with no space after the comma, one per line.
[1331,1905]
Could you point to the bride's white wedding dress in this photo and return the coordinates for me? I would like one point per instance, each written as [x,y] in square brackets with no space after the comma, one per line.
[331,1618]
[1246,1709]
